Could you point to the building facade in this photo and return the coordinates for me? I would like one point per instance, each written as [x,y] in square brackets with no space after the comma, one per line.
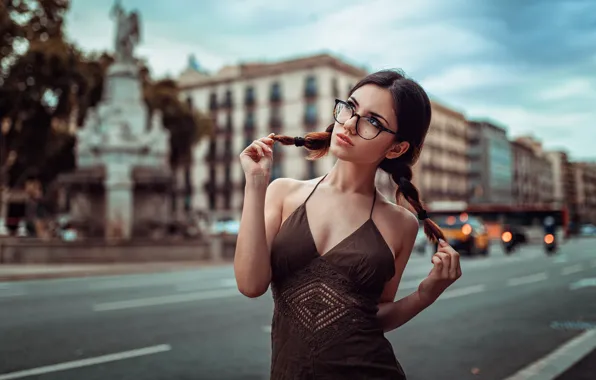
[585,183]
[249,101]
[442,171]
[533,180]
[491,164]
[564,184]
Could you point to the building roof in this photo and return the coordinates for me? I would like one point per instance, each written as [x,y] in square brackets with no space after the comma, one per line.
[252,70]
[446,110]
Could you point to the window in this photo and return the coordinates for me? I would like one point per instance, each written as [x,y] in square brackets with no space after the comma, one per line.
[228,146]
[228,99]
[212,148]
[275,118]
[249,124]
[249,96]
[229,126]
[311,86]
[275,92]
[334,88]
[227,174]
[247,141]
[213,101]
[310,114]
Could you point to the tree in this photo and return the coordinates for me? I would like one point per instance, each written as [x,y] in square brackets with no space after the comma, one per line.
[45,80]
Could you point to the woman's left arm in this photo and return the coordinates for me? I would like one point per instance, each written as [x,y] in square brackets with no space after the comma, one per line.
[445,271]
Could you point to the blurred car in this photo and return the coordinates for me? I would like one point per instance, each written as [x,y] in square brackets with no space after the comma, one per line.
[587,230]
[466,234]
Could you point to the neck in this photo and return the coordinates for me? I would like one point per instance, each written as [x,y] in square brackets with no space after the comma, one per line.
[352,178]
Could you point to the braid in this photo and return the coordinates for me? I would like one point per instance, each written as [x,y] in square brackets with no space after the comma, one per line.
[402,174]
[316,142]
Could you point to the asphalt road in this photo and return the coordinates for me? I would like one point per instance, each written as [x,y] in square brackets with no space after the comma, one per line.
[504,314]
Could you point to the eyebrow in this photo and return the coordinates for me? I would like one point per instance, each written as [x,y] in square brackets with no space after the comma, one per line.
[372,113]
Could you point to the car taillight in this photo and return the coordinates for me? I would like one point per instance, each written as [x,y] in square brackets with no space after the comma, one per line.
[466,229]
[549,238]
[507,236]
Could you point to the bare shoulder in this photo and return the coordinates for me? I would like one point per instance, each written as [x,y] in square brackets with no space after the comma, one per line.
[397,224]
[290,193]
[286,186]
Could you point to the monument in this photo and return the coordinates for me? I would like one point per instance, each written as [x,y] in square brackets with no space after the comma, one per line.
[121,185]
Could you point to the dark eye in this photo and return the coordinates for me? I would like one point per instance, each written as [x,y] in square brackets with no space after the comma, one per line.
[375,122]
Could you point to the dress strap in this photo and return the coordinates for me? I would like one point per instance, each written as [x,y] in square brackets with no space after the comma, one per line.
[313,190]
[373,205]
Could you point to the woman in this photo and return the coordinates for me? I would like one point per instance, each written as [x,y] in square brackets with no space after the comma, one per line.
[333,249]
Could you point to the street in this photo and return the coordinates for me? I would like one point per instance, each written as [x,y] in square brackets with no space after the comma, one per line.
[503,315]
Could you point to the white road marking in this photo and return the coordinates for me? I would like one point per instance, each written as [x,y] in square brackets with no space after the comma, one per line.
[87,362]
[527,279]
[557,362]
[583,283]
[166,300]
[572,269]
[463,291]
[11,290]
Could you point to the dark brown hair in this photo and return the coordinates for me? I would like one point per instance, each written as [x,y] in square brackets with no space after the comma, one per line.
[413,111]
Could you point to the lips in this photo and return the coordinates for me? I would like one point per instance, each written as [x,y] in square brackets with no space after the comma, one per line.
[345,138]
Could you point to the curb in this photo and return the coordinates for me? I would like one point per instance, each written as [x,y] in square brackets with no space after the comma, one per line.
[83,272]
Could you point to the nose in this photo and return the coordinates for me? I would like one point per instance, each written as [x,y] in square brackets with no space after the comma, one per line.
[350,125]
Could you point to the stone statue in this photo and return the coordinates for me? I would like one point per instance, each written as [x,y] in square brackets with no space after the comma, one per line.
[128,32]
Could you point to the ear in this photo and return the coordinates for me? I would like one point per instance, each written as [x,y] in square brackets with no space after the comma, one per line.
[397,150]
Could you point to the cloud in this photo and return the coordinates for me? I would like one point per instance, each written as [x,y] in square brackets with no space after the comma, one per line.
[529,65]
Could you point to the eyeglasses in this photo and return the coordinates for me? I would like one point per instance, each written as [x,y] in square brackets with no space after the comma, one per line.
[366,127]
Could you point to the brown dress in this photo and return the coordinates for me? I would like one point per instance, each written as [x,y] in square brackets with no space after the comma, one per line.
[325,322]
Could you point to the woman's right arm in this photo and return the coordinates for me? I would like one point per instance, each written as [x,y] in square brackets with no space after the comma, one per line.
[260,222]
[261,218]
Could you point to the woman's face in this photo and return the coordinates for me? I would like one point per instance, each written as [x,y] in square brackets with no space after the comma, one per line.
[373,103]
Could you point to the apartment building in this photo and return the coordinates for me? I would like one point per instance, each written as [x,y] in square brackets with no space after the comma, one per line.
[442,171]
[564,183]
[533,180]
[491,164]
[251,100]
[585,183]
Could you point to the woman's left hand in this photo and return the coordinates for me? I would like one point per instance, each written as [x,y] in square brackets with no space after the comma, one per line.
[446,270]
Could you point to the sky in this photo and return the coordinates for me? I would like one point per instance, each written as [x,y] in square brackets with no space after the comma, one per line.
[527,65]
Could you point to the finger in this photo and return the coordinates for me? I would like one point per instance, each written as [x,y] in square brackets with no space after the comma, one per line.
[257,148]
[454,265]
[446,259]
[265,147]
[268,141]
[459,273]
[437,263]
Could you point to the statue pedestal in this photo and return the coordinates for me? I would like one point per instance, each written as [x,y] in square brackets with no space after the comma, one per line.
[128,153]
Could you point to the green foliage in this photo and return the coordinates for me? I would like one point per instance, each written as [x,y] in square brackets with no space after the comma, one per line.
[45,80]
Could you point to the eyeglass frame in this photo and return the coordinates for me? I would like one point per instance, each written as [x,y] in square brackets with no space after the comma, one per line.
[379,129]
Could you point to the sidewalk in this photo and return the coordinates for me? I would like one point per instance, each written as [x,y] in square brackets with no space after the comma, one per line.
[585,369]
[16,272]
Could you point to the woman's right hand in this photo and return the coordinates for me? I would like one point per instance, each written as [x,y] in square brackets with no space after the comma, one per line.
[257,158]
